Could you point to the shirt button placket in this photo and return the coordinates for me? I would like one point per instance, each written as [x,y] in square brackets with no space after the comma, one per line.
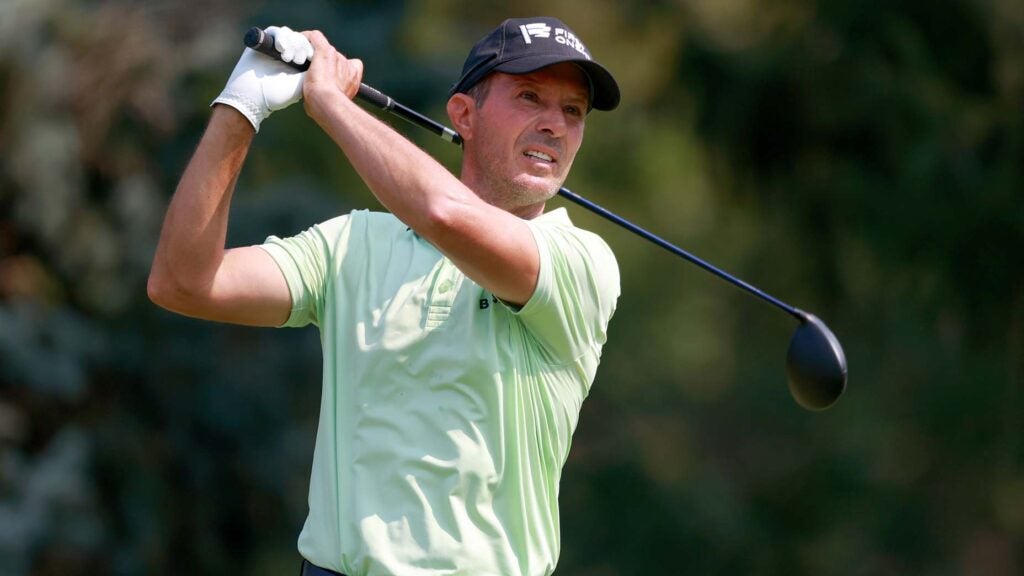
[443,294]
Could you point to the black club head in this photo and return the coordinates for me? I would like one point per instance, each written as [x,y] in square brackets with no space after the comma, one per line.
[816,365]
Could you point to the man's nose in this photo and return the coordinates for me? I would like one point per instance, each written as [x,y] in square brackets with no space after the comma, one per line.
[552,121]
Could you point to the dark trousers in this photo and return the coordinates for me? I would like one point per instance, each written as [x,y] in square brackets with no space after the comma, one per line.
[314,570]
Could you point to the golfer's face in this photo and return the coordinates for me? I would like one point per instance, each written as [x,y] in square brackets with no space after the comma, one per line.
[532,127]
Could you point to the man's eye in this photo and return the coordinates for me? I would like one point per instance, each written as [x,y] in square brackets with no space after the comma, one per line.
[573,111]
[532,97]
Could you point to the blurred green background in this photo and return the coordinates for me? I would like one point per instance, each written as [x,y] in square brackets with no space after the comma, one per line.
[862,160]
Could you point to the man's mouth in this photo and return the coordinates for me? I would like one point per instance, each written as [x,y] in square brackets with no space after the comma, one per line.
[538,155]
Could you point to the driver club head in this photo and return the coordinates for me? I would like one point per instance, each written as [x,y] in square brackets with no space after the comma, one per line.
[816,365]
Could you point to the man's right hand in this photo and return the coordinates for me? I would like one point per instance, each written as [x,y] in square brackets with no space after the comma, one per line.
[259,85]
[332,76]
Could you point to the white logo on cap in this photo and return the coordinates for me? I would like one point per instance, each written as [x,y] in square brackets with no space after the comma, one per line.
[570,39]
[538,29]
[562,36]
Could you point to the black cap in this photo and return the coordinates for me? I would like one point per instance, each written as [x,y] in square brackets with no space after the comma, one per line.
[523,45]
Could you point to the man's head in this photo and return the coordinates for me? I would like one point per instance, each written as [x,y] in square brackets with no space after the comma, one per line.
[520,105]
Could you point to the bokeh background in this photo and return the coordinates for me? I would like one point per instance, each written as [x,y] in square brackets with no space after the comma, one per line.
[862,160]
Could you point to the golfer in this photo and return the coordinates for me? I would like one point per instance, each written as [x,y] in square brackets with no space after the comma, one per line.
[461,330]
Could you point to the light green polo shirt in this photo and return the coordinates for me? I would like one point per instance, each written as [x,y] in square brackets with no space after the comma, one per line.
[445,416]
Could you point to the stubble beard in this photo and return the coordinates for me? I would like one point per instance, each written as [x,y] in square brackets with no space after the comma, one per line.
[513,194]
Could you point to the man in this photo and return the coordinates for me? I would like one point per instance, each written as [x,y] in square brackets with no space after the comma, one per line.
[461,332]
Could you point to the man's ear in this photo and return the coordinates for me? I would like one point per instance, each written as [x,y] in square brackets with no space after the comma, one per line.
[461,113]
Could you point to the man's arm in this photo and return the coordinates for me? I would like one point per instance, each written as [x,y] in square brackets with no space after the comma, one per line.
[493,247]
[192,273]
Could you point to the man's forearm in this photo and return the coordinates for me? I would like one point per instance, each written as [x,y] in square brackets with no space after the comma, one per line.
[192,241]
[405,179]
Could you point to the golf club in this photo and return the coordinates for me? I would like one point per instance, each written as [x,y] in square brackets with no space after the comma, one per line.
[815,362]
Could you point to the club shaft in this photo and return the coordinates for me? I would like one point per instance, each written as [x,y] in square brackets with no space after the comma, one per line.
[611,216]
[263,42]
[371,95]
[259,40]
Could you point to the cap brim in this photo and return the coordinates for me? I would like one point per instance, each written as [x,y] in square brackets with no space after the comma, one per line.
[606,90]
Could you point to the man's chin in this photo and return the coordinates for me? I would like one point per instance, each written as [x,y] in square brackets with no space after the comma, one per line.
[537,187]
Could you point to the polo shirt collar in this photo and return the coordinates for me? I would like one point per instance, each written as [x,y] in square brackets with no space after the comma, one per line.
[557,216]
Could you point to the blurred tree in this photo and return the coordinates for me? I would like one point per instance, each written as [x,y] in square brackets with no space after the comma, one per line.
[105,428]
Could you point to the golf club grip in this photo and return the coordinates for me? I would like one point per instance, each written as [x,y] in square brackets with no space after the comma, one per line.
[263,42]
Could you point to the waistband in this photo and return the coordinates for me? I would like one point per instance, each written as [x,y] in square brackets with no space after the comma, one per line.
[314,570]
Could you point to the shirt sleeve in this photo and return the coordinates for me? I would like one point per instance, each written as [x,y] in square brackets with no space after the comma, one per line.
[308,261]
[577,289]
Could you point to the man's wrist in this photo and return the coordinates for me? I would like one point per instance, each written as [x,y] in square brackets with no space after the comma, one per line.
[229,118]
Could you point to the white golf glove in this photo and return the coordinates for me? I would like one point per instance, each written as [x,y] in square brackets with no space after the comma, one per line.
[259,85]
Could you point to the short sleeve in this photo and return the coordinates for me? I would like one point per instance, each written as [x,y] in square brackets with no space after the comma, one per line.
[577,289]
[307,261]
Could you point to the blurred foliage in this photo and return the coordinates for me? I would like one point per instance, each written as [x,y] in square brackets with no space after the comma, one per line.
[862,160]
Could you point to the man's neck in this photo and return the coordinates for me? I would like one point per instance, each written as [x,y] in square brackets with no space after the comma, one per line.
[525,212]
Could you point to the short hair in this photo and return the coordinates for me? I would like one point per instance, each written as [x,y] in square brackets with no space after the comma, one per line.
[480,90]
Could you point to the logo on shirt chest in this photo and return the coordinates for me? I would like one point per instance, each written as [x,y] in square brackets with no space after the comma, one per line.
[485,303]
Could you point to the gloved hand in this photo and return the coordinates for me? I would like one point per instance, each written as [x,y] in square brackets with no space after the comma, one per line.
[260,85]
